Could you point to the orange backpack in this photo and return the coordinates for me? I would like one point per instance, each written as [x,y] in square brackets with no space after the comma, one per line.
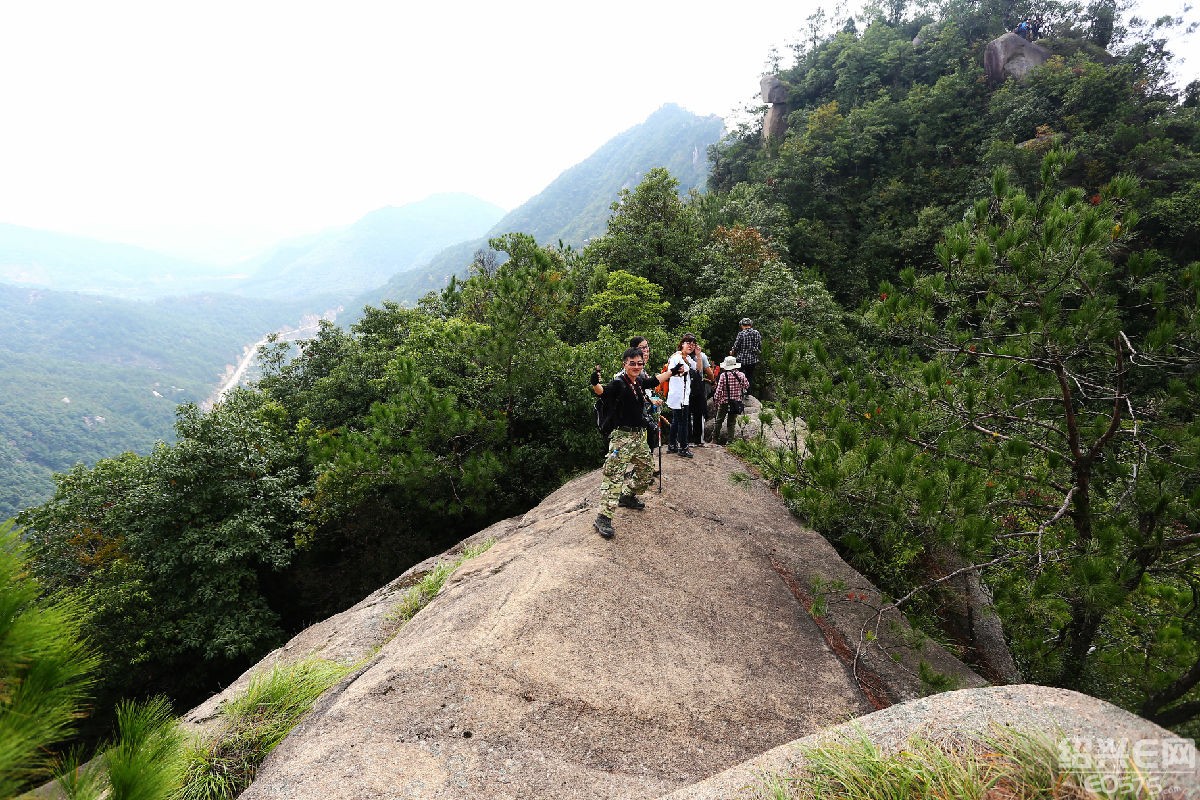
[663,388]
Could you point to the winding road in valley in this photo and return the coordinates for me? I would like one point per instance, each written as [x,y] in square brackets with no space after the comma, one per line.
[308,327]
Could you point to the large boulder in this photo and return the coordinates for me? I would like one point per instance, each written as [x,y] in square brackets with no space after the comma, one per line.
[1092,727]
[1011,56]
[561,665]
[773,89]
[775,92]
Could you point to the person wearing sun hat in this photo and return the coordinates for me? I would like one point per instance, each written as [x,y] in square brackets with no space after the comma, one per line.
[746,349]
[732,387]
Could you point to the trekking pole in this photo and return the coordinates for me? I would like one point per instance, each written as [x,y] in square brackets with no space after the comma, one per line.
[661,422]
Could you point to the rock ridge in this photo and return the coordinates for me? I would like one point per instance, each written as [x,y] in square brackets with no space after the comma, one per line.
[557,664]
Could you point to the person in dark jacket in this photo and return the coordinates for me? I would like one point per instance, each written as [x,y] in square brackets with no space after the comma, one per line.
[628,470]
[653,435]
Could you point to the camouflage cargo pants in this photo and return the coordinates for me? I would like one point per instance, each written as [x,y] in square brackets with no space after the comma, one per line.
[628,468]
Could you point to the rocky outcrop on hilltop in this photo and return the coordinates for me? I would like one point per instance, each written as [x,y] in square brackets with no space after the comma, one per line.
[1011,56]
[775,93]
[681,659]
[1095,729]
[558,664]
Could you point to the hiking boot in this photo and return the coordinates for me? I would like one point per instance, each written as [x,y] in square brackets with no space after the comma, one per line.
[686,454]
[630,501]
[604,525]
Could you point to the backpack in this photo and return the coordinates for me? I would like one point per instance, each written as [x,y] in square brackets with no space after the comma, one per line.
[737,407]
[606,413]
[663,389]
[606,416]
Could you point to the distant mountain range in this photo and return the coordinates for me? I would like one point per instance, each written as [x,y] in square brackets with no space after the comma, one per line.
[576,206]
[91,375]
[366,254]
[47,260]
[396,253]
[335,264]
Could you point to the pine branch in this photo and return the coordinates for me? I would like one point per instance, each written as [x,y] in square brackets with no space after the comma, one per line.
[1177,689]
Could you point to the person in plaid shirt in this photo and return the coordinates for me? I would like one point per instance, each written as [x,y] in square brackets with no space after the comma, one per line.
[732,387]
[746,349]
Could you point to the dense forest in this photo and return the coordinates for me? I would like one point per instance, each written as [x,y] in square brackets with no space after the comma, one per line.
[89,376]
[979,300]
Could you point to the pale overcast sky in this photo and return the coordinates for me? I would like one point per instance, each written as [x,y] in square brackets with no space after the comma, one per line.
[214,128]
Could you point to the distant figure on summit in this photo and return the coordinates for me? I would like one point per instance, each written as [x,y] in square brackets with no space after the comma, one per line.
[746,349]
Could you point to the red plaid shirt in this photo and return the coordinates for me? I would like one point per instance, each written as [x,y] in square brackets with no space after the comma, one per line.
[731,385]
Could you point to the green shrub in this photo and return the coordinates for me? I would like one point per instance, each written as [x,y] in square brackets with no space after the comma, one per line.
[253,724]
[420,595]
[1007,763]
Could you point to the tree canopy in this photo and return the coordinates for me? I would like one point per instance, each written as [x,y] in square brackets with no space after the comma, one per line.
[979,302]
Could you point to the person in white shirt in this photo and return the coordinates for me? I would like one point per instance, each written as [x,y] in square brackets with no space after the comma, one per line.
[681,364]
[701,390]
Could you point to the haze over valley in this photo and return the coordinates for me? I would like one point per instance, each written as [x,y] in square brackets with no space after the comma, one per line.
[101,341]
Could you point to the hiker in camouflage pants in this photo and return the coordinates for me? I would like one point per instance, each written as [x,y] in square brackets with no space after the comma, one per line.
[628,469]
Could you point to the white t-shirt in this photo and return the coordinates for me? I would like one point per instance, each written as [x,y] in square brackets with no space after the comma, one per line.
[680,388]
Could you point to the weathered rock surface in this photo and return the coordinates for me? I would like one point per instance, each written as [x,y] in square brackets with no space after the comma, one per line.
[775,92]
[1012,56]
[558,664]
[971,712]
[773,89]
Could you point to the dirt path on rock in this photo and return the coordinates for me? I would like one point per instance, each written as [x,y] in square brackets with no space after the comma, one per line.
[561,665]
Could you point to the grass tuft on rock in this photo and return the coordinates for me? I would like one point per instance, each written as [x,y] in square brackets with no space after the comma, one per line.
[253,724]
[1006,765]
[420,595]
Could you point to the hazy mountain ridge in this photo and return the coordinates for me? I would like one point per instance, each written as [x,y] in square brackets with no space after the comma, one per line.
[366,254]
[108,354]
[576,205]
[65,262]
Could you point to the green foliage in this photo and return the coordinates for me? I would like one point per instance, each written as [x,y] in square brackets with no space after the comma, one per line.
[417,448]
[934,682]
[420,595]
[45,675]
[1007,762]
[147,760]
[1013,406]
[252,724]
[44,670]
[169,552]
[1014,385]
[652,234]
[628,303]
[884,134]
[123,366]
